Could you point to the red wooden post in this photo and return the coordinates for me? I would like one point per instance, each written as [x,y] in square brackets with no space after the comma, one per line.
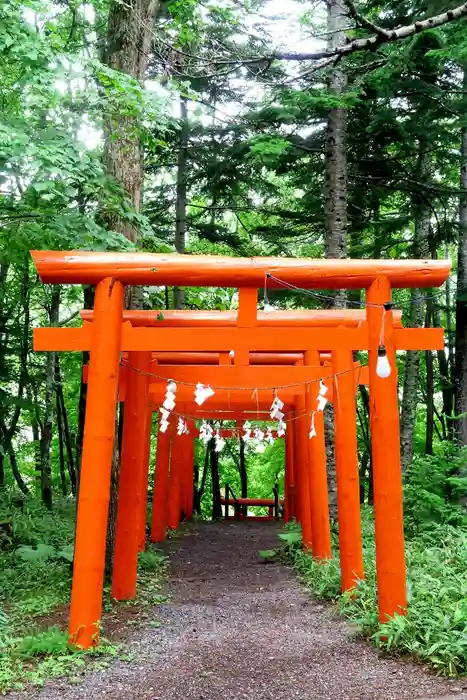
[144,485]
[287,516]
[189,473]
[348,482]
[320,528]
[302,471]
[127,532]
[385,448]
[175,483]
[98,445]
[161,487]
[289,446]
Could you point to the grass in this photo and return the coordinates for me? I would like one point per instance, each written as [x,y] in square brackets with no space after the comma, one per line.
[35,581]
[435,627]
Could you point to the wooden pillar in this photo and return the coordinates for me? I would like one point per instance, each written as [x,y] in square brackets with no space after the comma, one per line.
[289,505]
[175,483]
[161,487]
[144,485]
[286,486]
[385,448]
[135,422]
[347,476]
[320,528]
[302,470]
[96,464]
[189,474]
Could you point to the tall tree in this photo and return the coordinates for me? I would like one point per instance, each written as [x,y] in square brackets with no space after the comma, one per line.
[460,369]
[129,35]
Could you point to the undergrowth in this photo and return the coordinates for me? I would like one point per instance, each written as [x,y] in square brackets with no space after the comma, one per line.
[434,630]
[36,555]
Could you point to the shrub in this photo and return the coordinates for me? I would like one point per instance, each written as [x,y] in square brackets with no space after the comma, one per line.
[435,627]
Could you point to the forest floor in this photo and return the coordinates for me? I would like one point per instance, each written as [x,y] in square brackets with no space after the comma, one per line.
[241,629]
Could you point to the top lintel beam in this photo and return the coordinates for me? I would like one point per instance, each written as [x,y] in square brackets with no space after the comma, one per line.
[205,319]
[85,267]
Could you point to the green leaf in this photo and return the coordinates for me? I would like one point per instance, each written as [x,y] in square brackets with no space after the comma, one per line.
[67,552]
[31,554]
[267,554]
[291,537]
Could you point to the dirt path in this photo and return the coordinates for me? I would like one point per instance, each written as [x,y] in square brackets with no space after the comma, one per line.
[238,629]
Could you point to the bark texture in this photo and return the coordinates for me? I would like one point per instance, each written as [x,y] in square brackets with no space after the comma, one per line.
[335,191]
[335,198]
[47,423]
[460,369]
[181,200]
[129,37]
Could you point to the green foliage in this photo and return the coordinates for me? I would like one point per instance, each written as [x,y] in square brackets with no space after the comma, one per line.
[35,554]
[151,560]
[434,490]
[434,628]
[49,641]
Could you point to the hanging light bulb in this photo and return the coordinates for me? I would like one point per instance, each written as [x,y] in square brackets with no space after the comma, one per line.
[383,368]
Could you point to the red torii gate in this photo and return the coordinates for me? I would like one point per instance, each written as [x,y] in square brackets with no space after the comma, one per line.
[109,336]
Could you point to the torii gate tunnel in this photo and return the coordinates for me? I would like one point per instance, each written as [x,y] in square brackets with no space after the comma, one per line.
[292,351]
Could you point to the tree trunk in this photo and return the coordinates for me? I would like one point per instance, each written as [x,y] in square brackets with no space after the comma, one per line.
[215,483]
[430,391]
[2,464]
[335,201]
[181,200]
[64,424]
[7,448]
[330,460]
[88,302]
[61,451]
[421,249]
[460,368]
[447,387]
[129,35]
[36,437]
[243,474]
[335,153]
[365,423]
[46,432]
[199,490]
[14,468]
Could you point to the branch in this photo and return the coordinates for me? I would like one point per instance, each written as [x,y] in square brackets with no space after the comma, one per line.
[379,38]
[362,21]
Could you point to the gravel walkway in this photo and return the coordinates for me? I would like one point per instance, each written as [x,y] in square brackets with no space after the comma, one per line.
[239,629]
